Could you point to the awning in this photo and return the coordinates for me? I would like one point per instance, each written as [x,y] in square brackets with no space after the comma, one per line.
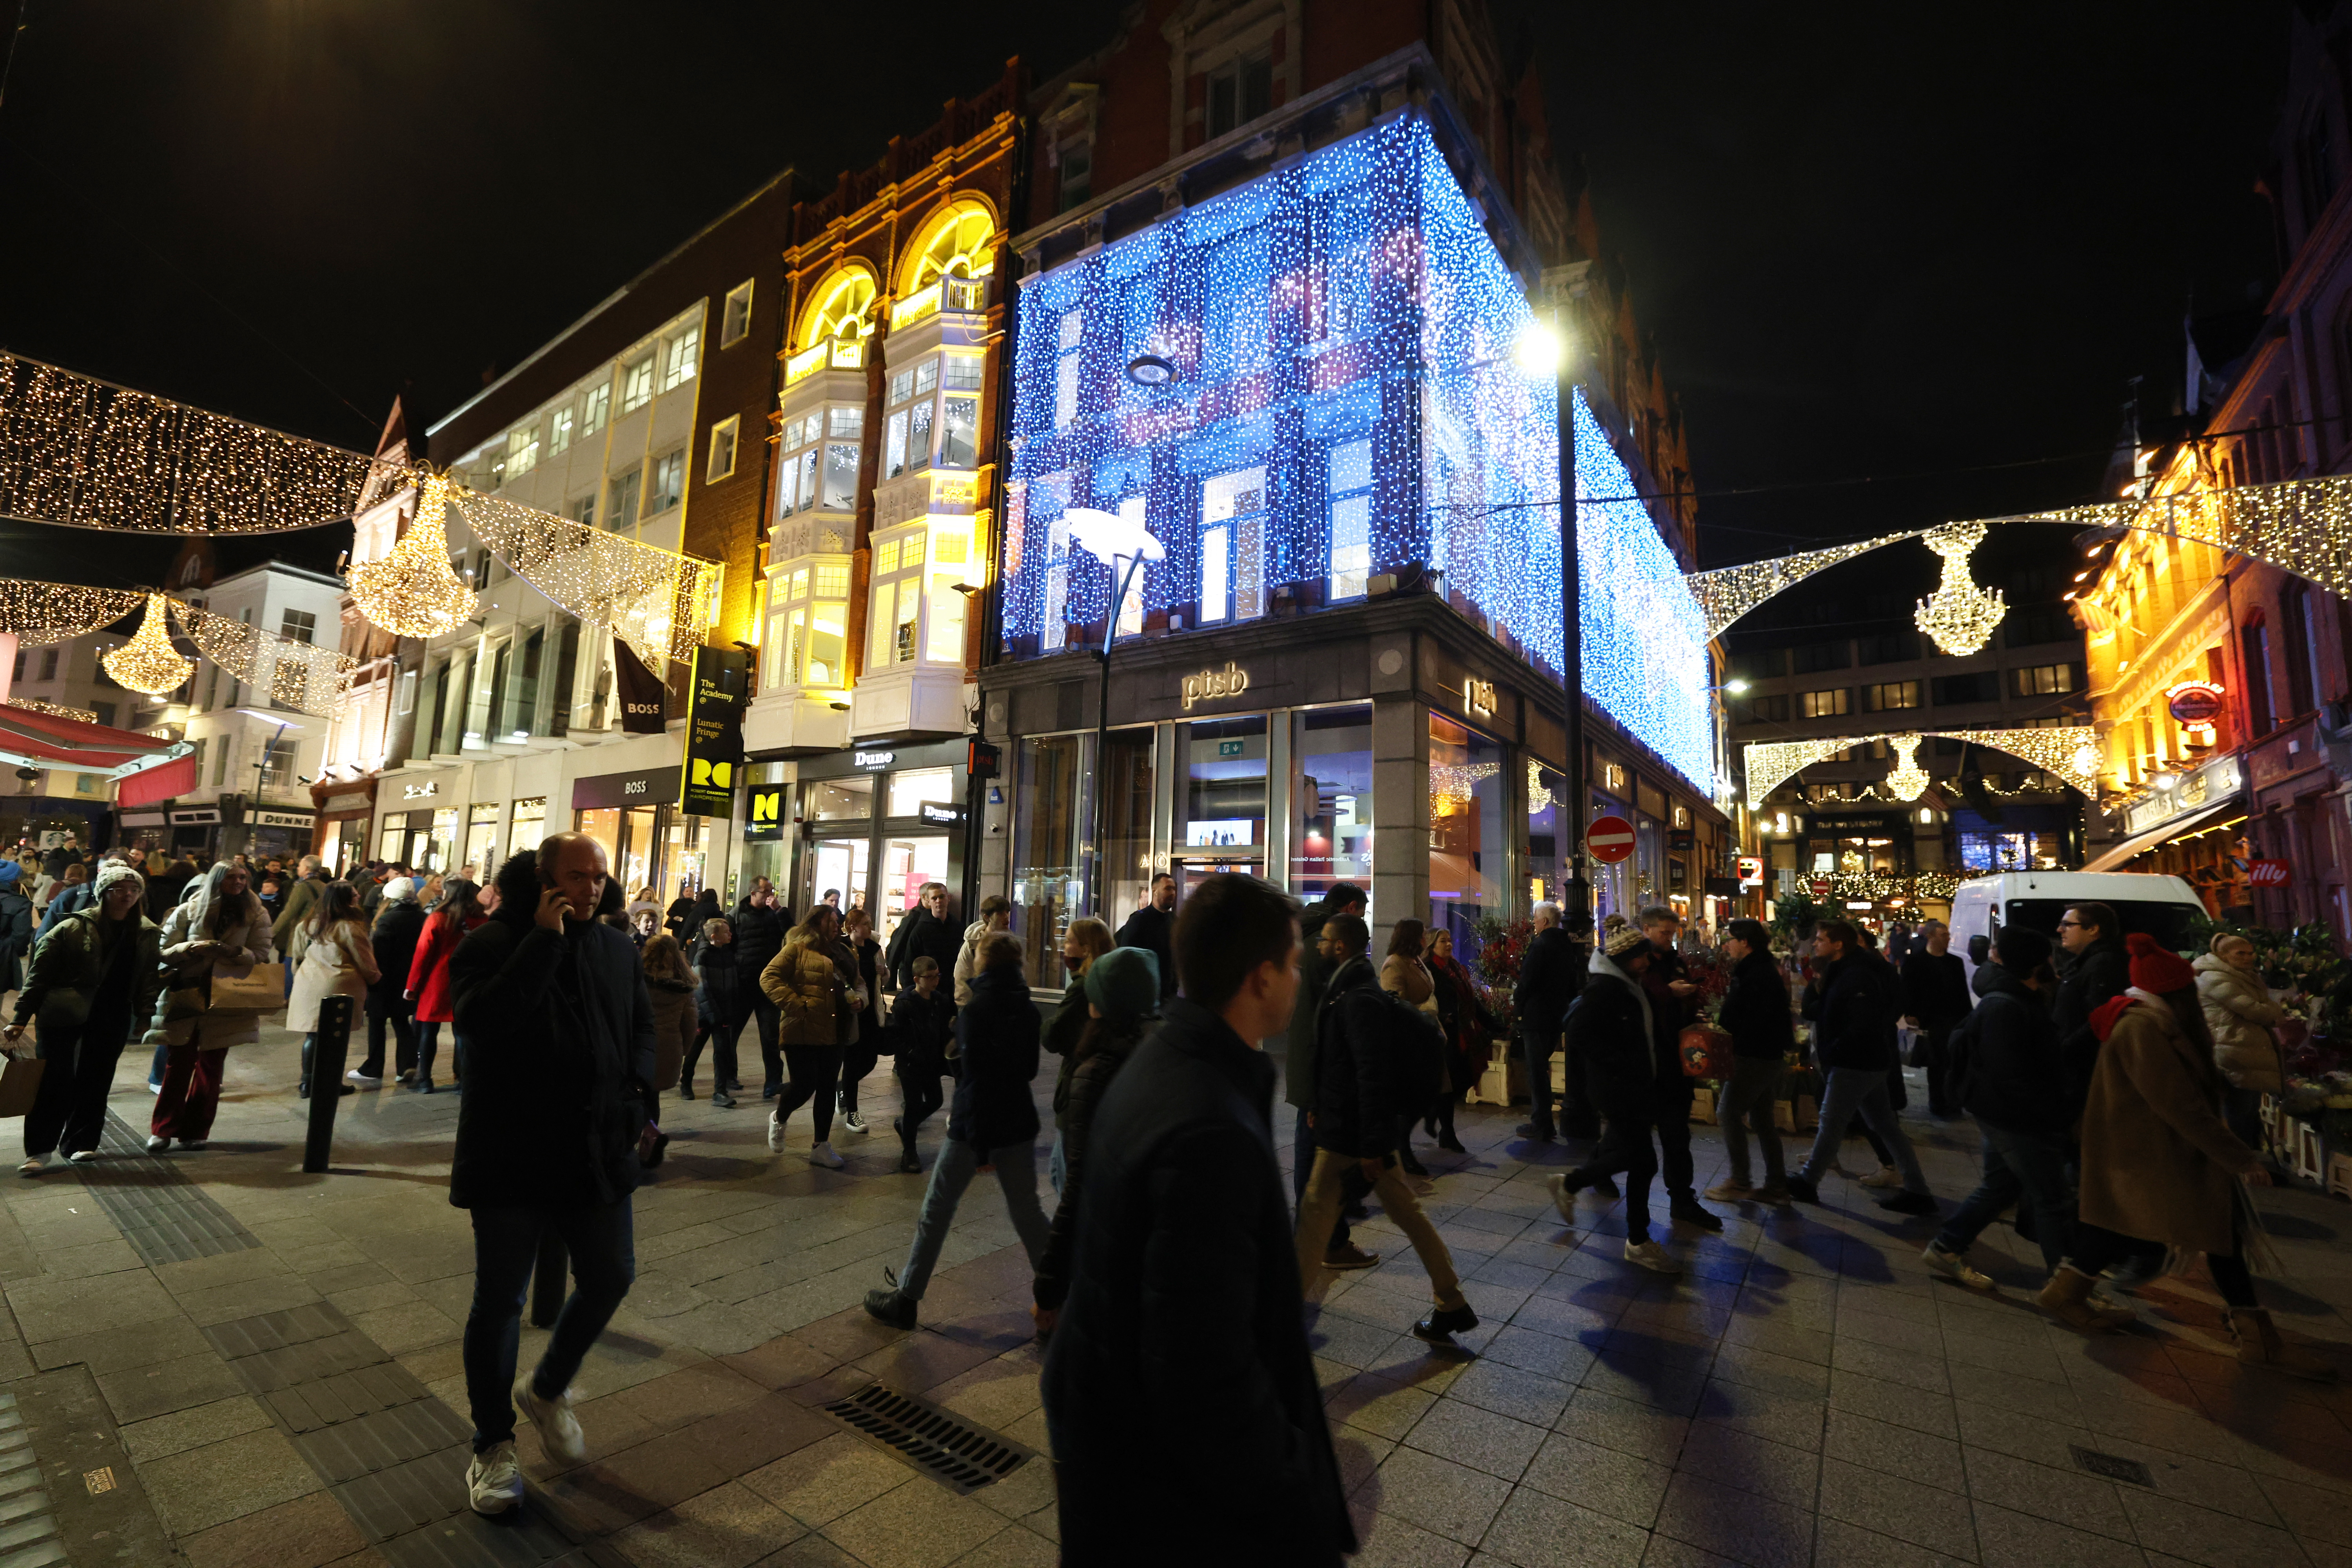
[2117,854]
[29,738]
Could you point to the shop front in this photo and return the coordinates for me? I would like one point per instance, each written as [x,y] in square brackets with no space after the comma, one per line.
[344,816]
[873,824]
[2195,827]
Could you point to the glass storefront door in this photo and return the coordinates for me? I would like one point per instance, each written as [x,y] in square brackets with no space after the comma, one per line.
[1467,832]
[1220,802]
[1331,800]
[908,860]
[836,866]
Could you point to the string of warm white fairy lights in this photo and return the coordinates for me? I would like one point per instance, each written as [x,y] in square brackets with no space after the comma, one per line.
[657,601]
[2069,751]
[54,710]
[301,675]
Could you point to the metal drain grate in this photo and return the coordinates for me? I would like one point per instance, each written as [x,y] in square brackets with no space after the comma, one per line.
[948,1449]
[2115,1466]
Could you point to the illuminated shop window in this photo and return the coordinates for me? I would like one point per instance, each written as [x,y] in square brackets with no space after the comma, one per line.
[1351,519]
[1232,547]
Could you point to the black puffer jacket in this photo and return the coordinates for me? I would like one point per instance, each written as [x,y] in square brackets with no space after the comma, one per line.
[1853,1020]
[920,1028]
[559,1034]
[1754,1011]
[1089,1080]
[1609,1030]
[759,937]
[2099,974]
[724,997]
[1183,1319]
[996,1037]
[399,927]
[2005,1058]
[1357,1099]
[922,935]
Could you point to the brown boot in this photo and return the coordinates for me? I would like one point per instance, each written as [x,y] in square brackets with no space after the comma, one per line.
[2067,1298]
[2259,1344]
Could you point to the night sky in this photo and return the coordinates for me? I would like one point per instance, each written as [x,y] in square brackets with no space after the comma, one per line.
[1924,248]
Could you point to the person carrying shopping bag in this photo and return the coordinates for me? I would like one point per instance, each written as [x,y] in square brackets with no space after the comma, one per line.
[93,981]
[214,941]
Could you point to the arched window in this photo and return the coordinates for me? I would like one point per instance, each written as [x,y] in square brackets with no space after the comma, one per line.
[953,244]
[842,307]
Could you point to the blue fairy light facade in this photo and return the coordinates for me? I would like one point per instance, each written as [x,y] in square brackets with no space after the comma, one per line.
[1343,412]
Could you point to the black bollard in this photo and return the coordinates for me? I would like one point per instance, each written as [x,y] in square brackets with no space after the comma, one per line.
[328,1046]
[547,1285]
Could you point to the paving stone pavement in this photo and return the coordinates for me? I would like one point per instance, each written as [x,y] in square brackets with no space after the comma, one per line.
[289,1394]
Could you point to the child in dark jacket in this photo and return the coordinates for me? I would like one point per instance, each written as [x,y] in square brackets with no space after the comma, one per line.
[922,1021]
[723,1000]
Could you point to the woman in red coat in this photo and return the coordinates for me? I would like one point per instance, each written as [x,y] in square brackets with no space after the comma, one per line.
[429,974]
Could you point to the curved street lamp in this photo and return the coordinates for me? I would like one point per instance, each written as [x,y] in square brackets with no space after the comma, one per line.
[1123,544]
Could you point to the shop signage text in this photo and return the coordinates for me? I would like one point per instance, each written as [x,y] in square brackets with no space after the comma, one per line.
[608,790]
[420,792]
[1230,681]
[714,735]
[2195,702]
[946,815]
[2212,785]
[1478,697]
[2266,873]
[872,759]
[283,819]
[763,814]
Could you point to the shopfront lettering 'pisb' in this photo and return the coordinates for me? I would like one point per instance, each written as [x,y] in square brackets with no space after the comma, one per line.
[1230,681]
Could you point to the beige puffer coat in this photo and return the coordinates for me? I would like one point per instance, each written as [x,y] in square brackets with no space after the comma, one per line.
[2240,1012]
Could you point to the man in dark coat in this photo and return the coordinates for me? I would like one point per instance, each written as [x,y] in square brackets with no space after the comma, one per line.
[2092,969]
[1183,1318]
[399,926]
[1316,968]
[1856,1049]
[759,934]
[1363,1094]
[1549,982]
[1935,1000]
[2007,1054]
[1673,1004]
[1611,1028]
[925,932]
[1152,928]
[559,1032]
[1755,1014]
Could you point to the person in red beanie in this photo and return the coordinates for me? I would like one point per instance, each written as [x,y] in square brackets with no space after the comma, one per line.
[2158,1163]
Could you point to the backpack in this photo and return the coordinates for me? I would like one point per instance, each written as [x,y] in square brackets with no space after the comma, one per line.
[1416,1049]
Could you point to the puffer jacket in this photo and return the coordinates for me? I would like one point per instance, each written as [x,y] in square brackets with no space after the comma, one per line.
[1854,1014]
[800,982]
[1076,1118]
[2240,1012]
[1754,1011]
[996,1040]
[67,968]
[921,1028]
[967,963]
[722,999]
[1609,1030]
[179,1015]
[759,936]
[428,968]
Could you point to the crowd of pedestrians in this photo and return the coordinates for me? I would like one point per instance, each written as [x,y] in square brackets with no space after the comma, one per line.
[2112,1085]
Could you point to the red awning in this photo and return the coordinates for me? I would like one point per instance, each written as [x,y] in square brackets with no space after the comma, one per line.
[36,740]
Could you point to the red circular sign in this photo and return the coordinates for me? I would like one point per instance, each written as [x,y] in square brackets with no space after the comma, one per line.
[2196,702]
[1610,838]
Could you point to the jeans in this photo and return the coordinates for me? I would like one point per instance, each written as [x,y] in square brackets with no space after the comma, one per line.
[765,1015]
[951,1173]
[1057,1166]
[70,1109]
[1747,1102]
[428,1046]
[2018,1168]
[857,1060]
[1674,1151]
[815,1069]
[918,1095]
[1326,1189]
[1941,1098]
[2097,1249]
[401,1016]
[1624,1150]
[599,1238]
[722,1038]
[1852,1091]
[1538,1049]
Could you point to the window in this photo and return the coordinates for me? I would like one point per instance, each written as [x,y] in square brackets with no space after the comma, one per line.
[636,385]
[1072,331]
[1984,685]
[1890,694]
[298,625]
[668,486]
[558,431]
[962,372]
[220,763]
[522,451]
[1074,161]
[583,511]
[958,432]
[1351,520]
[1813,657]
[678,363]
[624,499]
[722,451]
[840,492]
[1891,648]
[595,408]
[1240,90]
[735,320]
[1233,547]
[2042,679]
[1767,709]
[49,664]
[1824,704]
[1761,664]
[105,711]
[2302,646]
[278,762]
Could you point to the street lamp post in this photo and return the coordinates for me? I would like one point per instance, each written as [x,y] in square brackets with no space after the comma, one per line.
[1554,348]
[1123,545]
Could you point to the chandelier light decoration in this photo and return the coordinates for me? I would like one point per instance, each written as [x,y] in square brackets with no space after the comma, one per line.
[1908,780]
[88,454]
[149,662]
[2062,750]
[414,591]
[1959,618]
[657,601]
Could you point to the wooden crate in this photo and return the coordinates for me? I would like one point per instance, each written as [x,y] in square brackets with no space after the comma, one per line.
[1703,1104]
[1500,1075]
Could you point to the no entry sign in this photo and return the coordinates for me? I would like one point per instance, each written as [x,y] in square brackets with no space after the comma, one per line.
[1610,838]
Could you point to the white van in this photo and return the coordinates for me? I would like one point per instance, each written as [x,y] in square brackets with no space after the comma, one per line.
[2160,906]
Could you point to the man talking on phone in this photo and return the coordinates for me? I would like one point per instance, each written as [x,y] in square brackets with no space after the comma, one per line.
[558,1038]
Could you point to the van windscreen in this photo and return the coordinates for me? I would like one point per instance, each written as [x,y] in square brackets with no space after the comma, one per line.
[2166,921]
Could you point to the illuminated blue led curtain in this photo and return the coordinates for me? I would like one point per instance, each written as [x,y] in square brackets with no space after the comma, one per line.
[1342,401]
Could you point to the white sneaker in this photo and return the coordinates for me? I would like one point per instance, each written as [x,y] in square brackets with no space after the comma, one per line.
[33,1165]
[361,1078]
[493,1483]
[192,1142]
[1652,1257]
[1884,1178]
[558,1430]
[158,1144]
[775,1134]
[823,1154]
[82,1156]
[154,1089]
[1952,1266]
